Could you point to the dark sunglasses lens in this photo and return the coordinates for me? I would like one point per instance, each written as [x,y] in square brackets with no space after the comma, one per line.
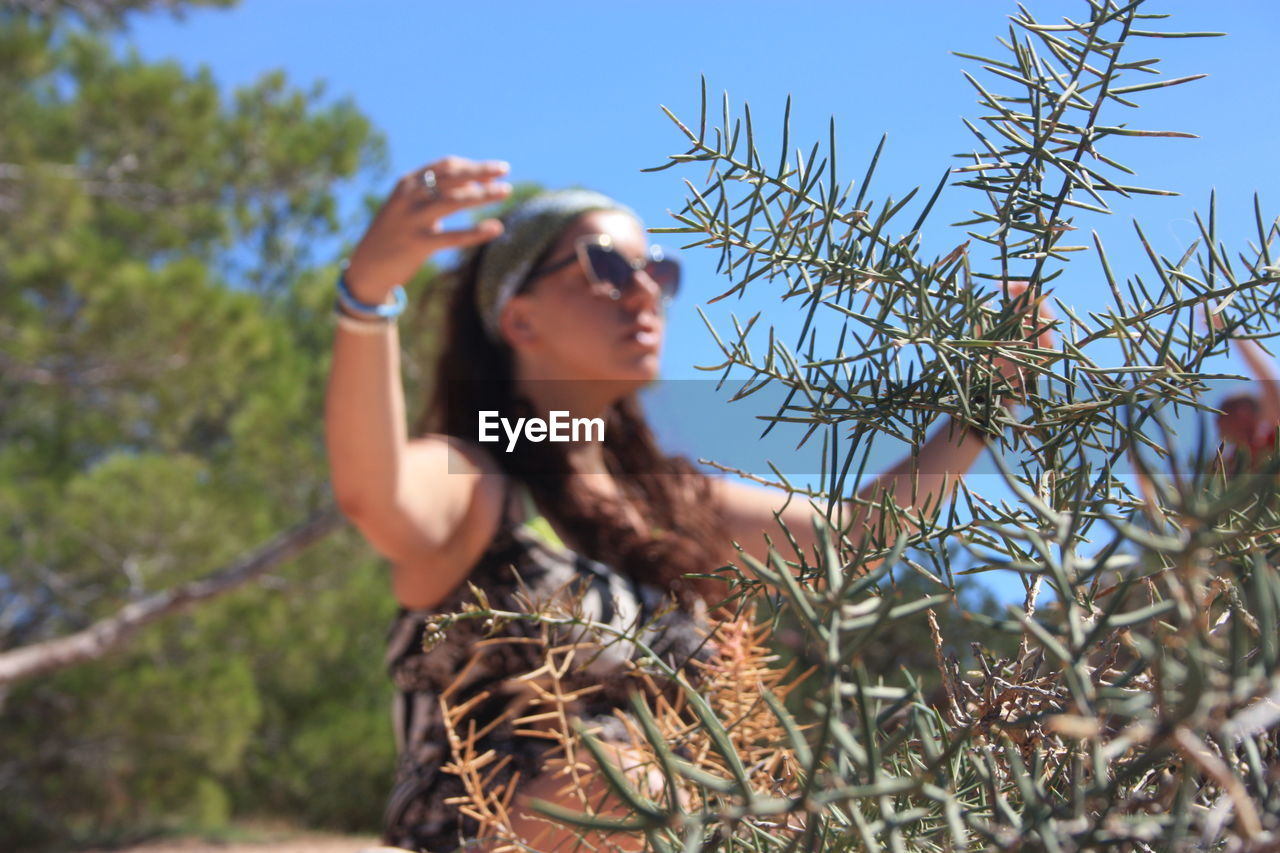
[609,267]
[666,273]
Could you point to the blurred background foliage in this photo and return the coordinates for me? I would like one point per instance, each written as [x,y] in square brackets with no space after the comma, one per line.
[164,337]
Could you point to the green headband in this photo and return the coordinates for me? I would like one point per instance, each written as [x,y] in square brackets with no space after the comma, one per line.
[529,231]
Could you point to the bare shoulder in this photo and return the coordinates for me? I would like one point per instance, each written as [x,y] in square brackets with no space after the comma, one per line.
[450,478]
[453,491]
[445,455]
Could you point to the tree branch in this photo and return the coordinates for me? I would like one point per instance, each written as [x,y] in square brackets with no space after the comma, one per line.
[107,634]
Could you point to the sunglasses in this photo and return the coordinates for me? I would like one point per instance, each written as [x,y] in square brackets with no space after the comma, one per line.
[608,270]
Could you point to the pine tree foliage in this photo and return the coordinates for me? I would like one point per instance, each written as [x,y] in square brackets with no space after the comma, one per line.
[164,334]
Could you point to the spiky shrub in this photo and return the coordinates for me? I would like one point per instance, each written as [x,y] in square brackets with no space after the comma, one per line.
[1139,707]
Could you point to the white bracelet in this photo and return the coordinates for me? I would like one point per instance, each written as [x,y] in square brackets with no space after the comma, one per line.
[362,327]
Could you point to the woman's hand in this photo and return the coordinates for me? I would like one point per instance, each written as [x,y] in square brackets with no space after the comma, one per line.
[1034,315]
[407,230]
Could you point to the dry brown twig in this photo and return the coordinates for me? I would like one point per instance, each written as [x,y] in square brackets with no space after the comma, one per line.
[732,681]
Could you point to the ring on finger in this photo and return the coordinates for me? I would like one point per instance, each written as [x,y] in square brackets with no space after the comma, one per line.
[427,180]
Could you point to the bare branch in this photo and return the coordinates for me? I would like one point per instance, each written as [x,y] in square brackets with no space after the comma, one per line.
[107,634]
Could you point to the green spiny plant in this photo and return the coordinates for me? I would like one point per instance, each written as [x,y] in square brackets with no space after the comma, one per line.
[1139,707]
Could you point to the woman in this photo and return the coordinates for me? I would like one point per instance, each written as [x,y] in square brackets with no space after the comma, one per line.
[559,309]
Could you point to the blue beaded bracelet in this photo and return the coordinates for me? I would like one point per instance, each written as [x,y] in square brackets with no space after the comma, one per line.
[362,309]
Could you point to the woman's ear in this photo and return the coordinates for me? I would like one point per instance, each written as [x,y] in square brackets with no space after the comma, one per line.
[516,323]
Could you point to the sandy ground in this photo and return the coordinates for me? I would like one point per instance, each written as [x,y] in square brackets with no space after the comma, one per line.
[291,843]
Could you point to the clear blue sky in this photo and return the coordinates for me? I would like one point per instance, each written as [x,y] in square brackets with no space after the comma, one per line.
[569,92]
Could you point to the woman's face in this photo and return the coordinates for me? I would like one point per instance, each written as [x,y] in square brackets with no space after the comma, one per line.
[564,327]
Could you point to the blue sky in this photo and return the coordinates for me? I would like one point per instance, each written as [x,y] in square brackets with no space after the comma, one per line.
[569,93]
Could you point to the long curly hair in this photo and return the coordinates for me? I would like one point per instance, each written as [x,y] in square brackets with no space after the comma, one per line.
[475,374]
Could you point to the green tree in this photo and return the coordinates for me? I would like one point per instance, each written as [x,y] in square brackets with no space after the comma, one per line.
[164,335]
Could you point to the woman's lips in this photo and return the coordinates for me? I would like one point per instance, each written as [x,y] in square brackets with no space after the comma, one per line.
[646,336]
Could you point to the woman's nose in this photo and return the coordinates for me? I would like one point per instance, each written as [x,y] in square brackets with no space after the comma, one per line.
[643,291]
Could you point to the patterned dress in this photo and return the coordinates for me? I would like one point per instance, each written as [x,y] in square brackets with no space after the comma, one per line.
[524,566]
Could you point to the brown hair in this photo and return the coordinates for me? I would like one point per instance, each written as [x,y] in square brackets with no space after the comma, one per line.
[476,374]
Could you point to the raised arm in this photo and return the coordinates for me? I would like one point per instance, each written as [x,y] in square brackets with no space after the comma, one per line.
[911,484]
[396,491]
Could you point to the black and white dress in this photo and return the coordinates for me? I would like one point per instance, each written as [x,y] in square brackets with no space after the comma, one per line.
[524,565]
